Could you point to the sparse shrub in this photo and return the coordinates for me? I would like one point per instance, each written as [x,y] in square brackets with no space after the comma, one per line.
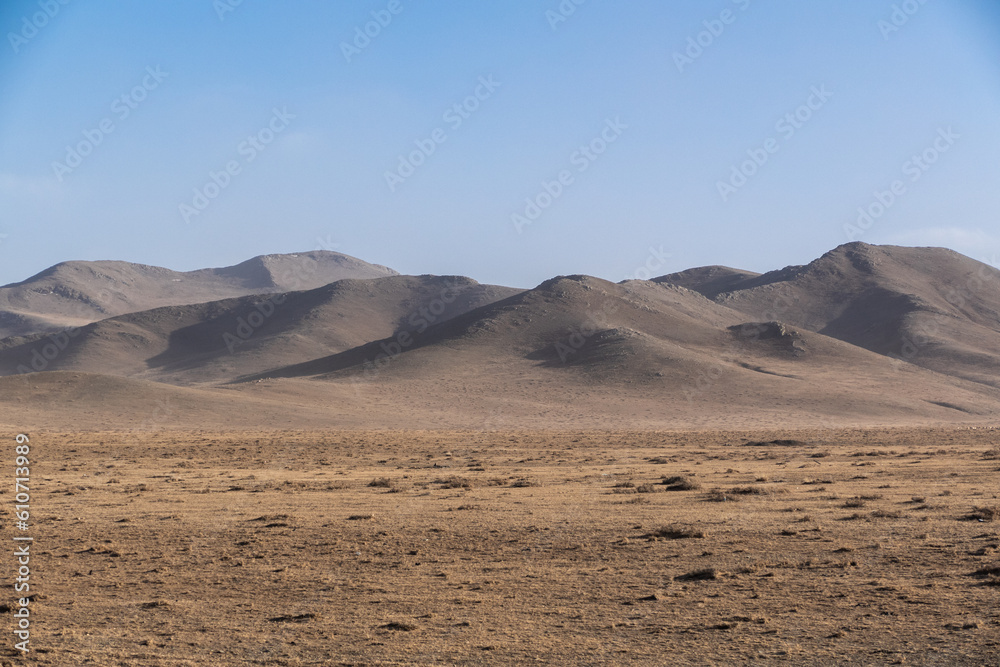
[983,514]
[674,532]
[381,483]
[992,455]
[680,483]
[624,485]
[755,490]
[645,488]
[454,483]
[993,571]
[854,502]
[523,483]
[720,496]
[886,514]
[705,574]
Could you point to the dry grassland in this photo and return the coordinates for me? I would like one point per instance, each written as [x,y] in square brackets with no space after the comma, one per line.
[868,547]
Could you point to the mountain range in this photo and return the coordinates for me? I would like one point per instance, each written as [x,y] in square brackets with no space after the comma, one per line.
[862,335]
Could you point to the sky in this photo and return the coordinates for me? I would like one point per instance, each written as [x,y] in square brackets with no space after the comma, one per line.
[509,141]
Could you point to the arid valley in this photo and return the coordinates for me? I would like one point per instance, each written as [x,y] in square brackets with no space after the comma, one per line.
[331,463]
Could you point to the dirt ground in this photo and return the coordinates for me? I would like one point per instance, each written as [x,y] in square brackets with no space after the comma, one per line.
[861,547]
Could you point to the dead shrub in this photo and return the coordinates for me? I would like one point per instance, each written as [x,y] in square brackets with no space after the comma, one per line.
[982,514]
[453,483]
[675,532]
[720,496]
[755,490]
[705,574]
[680,483]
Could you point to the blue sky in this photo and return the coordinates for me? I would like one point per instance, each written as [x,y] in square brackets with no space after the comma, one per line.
[643,125]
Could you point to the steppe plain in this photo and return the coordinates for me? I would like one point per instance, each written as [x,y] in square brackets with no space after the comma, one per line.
[821,547]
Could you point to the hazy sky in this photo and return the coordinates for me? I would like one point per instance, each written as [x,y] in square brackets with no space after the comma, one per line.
[194,133]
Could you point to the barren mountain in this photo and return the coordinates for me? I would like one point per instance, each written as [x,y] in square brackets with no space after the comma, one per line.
[710,281]
[219,340]
[580,348]
[816,345]
[76,293]
[928,306]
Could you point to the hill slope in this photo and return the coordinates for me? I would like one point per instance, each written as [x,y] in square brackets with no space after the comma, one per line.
[928,306]
[591,346]
[219,340]
[76,293]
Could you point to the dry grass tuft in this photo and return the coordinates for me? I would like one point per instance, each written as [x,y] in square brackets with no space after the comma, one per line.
[453,483]
[982,514]
[680,483]
[704,574]
[674,532]
[720,496]
[756,490]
